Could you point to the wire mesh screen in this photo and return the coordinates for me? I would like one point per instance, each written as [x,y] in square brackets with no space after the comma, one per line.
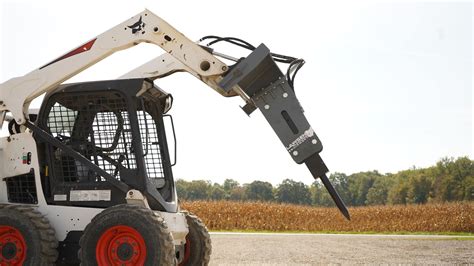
[151,148]
[22,189]
[61,123]
[98,127]
[112,137]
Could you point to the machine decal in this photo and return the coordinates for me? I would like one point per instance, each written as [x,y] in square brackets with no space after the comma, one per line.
[297,142]
[26,158]
[83,48]
[137,26]
[90,195]
[60,197]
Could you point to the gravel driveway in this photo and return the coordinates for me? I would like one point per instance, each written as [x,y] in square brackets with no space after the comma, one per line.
[314,249]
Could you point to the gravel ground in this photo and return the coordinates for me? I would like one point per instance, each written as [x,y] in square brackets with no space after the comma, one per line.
[314,249]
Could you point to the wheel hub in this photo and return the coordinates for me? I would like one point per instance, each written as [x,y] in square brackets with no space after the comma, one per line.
[9,251]
[125,251]
[12,246]
[121,245]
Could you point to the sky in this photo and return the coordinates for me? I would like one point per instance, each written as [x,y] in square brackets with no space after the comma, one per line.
[386,85]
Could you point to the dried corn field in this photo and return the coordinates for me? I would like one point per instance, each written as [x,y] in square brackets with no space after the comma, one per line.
[228,215]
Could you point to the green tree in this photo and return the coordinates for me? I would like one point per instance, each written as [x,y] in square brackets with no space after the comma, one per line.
[259,191]
[290,191]
[469,188]
[198,190]
[398,193]
[359,185]
[217,192]
[340,181]
[378,193]
[462,170]
[228,186]
[419,187]
[320,196]
[237,194]
[181,189]
[450,179]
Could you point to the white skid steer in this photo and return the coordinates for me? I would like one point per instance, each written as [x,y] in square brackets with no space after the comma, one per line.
[88,179]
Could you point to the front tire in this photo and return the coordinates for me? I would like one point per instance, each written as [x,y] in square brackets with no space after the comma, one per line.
[26,237]
[198,248]
[127,235]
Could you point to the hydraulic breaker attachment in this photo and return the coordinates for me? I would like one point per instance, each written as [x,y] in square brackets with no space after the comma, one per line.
[268,90]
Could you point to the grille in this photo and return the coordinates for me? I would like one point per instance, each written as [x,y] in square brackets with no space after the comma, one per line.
[22,189]
[151,145]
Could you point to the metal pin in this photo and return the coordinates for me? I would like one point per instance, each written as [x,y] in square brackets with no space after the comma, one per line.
[228,57]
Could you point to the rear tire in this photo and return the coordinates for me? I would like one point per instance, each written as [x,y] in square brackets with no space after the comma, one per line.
[26,237]
[198,248]
[127,235]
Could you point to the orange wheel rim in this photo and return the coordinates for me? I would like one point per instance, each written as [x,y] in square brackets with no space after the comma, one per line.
[121,245]
[12,246]
[187,252]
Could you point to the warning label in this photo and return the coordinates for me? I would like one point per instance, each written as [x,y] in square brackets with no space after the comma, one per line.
[90,195]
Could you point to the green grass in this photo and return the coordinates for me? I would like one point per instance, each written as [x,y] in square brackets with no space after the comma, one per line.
[463,234]
[461,238]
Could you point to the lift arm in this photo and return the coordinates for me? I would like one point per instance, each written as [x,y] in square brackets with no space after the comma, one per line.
[182,55]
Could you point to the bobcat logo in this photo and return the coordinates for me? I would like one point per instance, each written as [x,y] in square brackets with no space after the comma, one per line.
[137,26]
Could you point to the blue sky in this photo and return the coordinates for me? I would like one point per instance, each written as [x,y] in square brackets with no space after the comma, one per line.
[386,86]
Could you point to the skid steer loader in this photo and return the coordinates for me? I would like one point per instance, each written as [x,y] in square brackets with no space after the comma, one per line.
[88,179]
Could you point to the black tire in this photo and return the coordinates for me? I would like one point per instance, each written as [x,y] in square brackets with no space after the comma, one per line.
[23,226]
[198,246]
[135,231]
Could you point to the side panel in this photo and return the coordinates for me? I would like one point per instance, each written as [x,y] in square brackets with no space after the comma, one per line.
[67,218]
[178,226]
[18,155]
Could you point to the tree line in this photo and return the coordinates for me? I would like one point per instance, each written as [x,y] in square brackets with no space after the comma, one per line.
[449,180]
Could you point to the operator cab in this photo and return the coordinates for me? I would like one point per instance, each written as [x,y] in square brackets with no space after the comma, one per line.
[116,125]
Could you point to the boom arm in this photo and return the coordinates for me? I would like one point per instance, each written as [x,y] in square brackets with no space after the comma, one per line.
[182,55]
